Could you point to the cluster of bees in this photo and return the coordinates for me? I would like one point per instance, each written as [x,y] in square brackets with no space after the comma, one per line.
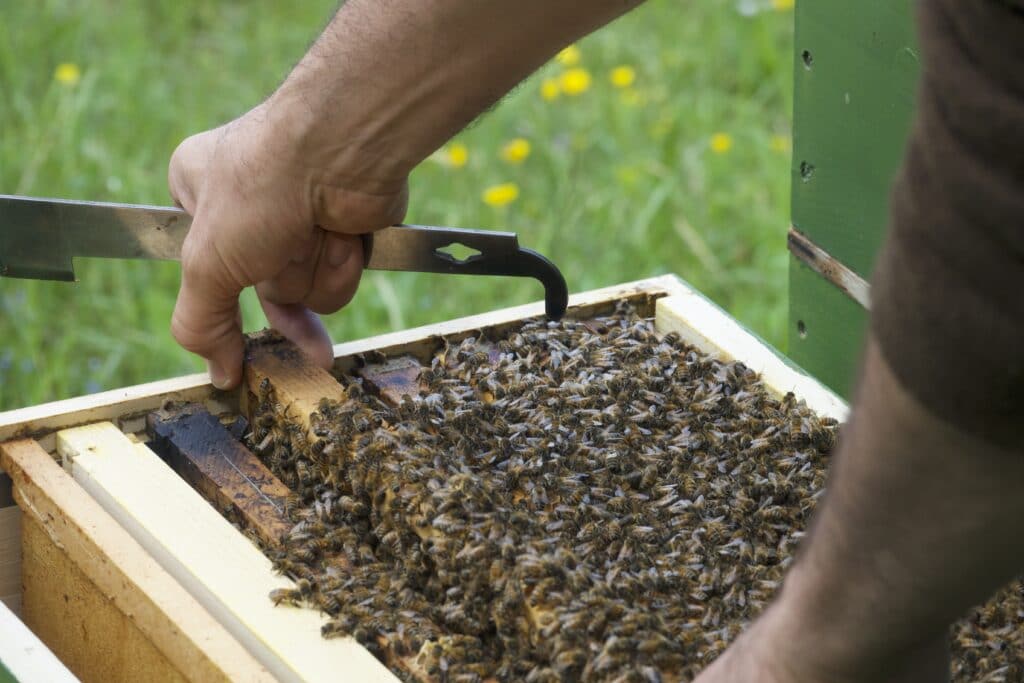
[582,500]
[988,644]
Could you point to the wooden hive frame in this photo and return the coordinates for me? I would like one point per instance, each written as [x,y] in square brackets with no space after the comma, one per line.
[117,588]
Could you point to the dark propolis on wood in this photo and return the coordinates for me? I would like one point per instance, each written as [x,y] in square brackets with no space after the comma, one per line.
[207,455]
[392,379]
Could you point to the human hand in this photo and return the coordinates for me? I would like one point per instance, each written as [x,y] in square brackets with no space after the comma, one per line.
[777,649]
[265,213]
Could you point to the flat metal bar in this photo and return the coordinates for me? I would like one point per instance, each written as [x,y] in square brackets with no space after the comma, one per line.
[824,264]
[39,238]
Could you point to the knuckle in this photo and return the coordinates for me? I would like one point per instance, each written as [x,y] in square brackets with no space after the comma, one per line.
[187,335]
[203,332]
[193,266]
[354,211]
[200,262]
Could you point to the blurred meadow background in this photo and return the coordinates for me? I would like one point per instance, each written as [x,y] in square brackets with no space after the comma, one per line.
[660,144]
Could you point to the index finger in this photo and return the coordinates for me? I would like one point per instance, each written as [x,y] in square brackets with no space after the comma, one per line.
[207,319]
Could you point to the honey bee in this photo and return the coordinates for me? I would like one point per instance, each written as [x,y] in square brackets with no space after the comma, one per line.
[286,596]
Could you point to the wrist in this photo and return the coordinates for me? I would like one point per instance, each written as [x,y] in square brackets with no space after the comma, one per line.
[810,634]
[777,648]
[334,147]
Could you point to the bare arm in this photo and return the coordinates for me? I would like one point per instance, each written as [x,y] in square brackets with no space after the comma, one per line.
[279,195]
[405,76]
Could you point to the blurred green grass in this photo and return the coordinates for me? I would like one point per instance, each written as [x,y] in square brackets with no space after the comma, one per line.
[620,183]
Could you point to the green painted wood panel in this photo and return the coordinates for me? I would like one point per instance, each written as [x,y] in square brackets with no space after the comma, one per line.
[855,73]
[5,675]
[826,329]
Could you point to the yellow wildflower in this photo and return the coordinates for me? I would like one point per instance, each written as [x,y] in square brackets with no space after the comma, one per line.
[570,56]
[67,74]
[549,89]
[516,151]
[782,5]
[721,143]
[457,155]
[622,76]
[779,143]
[575,81]
[500,195]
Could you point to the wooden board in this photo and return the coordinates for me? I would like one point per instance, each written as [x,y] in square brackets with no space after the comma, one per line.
[10,557]
[24,656]
[127,407]
[80,624]
[117,573]
[298,385]
[210,458]
[219,566]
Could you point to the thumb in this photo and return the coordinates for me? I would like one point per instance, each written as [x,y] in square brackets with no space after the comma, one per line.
[207,319]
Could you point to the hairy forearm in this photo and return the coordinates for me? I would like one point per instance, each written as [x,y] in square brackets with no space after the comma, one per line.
[920,522]
[389,82]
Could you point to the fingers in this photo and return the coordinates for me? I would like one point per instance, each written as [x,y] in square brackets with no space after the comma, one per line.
[337,273]
[207,321]
[293,283]
[346,211]
[302,326]
[324,281]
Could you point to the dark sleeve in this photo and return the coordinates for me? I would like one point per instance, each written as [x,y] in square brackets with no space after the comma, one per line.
[948,289]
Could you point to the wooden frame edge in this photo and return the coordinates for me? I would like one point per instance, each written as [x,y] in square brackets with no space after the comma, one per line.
[225,572]
[171,619]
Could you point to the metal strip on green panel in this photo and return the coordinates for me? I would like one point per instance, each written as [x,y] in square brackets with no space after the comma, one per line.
[826,329]
[855,75]
[828,267]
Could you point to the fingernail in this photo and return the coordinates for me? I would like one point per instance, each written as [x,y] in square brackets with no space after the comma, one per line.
[218,375]
[338,251]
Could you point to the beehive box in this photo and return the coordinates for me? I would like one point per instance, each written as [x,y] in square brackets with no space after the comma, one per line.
[127,573]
